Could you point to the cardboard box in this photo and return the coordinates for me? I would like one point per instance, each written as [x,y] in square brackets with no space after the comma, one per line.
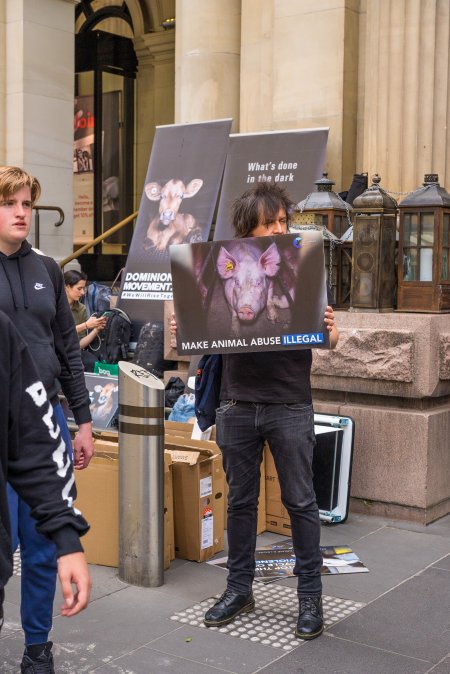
[198,494]
[98,500]
[185,430]
[97,488]
[277,517]
[188,430]
[180,428]
[169,534]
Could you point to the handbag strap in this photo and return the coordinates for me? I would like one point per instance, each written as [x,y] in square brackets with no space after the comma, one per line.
[115,282]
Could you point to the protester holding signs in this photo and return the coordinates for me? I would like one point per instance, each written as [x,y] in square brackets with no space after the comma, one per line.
[266,396]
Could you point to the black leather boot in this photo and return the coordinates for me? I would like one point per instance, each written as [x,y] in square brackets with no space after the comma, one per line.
[38,659]
[310,618]
[228,607]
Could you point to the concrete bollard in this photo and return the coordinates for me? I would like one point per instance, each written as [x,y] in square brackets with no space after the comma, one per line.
[141,476]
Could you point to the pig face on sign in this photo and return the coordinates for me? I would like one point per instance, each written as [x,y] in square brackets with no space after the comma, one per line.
[249,277]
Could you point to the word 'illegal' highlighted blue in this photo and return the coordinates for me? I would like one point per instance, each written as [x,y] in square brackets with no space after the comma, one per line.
[306,338]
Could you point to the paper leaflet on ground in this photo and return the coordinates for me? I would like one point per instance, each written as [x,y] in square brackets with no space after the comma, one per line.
[276,561]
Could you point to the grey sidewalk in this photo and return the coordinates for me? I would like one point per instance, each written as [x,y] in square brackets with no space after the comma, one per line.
[393,620]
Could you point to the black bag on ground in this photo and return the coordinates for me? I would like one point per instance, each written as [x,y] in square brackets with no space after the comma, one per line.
[174,388]
[114,338]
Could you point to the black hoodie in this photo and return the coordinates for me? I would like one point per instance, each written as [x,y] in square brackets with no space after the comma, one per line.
[40,311]
[33,456]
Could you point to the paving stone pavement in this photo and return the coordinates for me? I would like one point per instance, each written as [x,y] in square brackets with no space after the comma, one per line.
[393,620]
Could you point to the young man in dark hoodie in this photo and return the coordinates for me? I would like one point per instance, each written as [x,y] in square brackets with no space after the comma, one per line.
[34,459]
[32,295]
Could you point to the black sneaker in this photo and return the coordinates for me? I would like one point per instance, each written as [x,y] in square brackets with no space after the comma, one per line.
[228,607]
[38,664]
[310,618]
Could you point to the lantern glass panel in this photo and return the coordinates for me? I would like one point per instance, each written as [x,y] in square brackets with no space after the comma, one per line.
[346,275]
[446,230]
[445,275]
[427,229]
[410,221]
[426,264]
[410,268]
[337,228]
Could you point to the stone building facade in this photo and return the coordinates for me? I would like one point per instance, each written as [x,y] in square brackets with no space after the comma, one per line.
[376,72]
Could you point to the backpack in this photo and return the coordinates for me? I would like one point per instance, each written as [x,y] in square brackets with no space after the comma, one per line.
[114,338]
[207,390]
[149,352]
[97,298]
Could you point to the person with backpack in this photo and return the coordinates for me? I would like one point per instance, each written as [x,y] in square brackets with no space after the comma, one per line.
[88,329]
[32,295]
[266,396]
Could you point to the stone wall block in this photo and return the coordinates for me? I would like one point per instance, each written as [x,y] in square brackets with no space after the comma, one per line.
[390,355]
[444,356]
[390,455]
[369,354]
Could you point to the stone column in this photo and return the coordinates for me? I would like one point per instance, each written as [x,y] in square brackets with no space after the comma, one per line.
[404,109]
[2,81]
[155,84]
[299,67]
[37,87]
[207,60]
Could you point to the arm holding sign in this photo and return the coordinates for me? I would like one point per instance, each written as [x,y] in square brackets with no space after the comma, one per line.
[331,326]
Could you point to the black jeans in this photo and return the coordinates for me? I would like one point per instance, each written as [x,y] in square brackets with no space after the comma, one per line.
[289,429]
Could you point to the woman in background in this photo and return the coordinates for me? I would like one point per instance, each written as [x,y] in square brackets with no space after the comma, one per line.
[87,328]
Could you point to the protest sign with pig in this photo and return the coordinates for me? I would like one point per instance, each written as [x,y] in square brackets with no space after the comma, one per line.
[256,294]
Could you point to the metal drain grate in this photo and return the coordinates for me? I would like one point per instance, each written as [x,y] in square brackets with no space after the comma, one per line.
[273,621]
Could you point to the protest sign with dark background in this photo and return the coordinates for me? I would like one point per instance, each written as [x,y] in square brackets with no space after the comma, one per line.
[177,205]
[292,159]
[258,294]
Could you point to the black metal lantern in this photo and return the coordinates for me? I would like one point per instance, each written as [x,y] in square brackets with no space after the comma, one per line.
[424,249]
[373,261]
[334,215]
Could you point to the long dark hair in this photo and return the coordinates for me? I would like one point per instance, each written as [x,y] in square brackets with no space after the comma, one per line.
[264,199]
[72,277]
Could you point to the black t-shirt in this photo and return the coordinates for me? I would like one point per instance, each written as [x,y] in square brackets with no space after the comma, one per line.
[267,377]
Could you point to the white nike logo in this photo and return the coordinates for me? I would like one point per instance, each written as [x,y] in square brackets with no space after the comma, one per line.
[39,286]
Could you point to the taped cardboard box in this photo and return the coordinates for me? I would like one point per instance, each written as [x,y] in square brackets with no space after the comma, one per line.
[98,500]
[198,494]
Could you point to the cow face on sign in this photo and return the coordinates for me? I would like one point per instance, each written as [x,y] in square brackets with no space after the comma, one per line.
[170,197]
[170,226]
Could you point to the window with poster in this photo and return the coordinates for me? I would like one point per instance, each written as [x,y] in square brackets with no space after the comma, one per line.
[103,152]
